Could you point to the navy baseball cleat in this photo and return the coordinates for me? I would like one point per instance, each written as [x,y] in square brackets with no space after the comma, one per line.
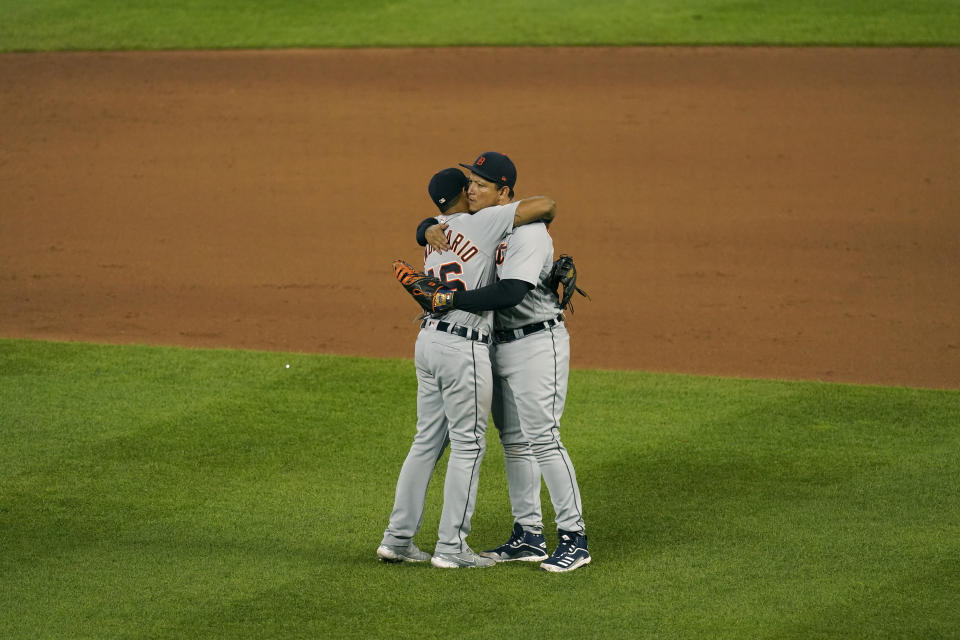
[408,553]
[522,546]
[571,553]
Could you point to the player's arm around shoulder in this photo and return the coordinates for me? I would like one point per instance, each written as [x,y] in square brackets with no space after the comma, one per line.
[534,209]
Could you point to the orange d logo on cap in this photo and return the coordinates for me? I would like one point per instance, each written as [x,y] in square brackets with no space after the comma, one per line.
[495,167]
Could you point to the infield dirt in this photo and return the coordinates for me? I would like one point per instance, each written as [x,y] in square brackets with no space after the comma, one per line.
[781,213]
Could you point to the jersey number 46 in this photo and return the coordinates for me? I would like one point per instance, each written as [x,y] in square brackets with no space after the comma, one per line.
[446,270]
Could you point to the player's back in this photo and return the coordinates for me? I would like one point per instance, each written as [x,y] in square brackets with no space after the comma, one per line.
[528,256]
[469,264]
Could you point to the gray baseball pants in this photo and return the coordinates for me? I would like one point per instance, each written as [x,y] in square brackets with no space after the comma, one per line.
[530,389]
[454,392]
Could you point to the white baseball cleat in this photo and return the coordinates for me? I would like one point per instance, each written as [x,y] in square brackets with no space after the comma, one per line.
[464,560]
[408,553]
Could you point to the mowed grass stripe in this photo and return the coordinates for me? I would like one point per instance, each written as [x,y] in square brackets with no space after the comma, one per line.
[158,492]
[42,25]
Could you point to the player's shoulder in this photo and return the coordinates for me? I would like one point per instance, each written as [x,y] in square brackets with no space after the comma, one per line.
[499,218]
[497,209]
[534,233]
[531,230]
[457,220]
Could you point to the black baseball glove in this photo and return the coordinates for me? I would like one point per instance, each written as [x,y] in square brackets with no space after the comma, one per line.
[563,281]
[429,292]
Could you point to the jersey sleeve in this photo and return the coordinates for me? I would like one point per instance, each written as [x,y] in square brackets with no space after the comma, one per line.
[528,249]
[502,216]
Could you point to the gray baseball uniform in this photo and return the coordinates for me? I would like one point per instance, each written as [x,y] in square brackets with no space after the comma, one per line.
[531,363]
[455,385]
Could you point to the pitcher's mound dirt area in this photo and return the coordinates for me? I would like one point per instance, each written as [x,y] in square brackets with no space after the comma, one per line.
[784,213]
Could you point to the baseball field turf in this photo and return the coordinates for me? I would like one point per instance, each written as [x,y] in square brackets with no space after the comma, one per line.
[191,24]
[182,493]
[171,493]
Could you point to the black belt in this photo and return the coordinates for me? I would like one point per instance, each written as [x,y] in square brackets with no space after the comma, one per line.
[457,330]
[509,335]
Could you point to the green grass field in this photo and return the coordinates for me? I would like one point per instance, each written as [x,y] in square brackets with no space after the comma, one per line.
[185,24]
[173,493]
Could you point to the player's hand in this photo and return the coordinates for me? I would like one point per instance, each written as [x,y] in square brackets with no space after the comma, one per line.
[436,237]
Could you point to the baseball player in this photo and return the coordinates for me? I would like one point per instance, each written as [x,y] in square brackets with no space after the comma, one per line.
[455,382]
[531,358]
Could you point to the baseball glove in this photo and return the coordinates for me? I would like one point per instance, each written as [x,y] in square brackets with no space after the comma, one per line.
[563,281]
[429,292]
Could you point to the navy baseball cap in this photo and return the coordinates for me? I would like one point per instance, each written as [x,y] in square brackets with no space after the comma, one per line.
[446,185]
[494,167]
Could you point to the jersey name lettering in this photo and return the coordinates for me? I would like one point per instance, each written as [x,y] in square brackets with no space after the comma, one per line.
[460,245]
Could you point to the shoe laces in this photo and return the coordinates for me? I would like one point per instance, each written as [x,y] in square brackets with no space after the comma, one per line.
[516,538]
[567,545]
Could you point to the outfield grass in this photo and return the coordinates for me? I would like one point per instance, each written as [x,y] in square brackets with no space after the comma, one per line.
[170,493]
[37,25]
